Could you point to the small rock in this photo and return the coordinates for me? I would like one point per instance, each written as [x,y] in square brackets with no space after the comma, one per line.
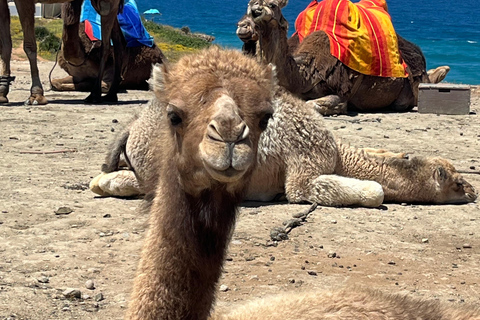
[224,288]
[43,280]
[99,297]
[332,254]
[114,121]
[392,263]
[334,221]
[312,273]
[425,240]
[90,285]
[467,246]
[108,215]
[63,211]
[72,293]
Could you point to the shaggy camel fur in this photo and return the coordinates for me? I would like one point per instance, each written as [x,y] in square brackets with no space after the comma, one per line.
[213,107]
[107,9]
[298,156]
[309,71]
[136,66]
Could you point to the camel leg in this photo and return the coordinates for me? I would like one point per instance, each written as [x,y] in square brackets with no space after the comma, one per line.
[5,51]
[438,74]
[329,105]
[26,13]
[384,153]
[122,183]
[334,190]
[70,83]
[108,13]
[118,45]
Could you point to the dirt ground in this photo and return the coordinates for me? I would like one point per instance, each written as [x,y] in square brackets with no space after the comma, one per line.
[421,251]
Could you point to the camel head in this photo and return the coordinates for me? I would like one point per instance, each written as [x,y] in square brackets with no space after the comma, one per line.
[268,12]
[246,29]
[451,187]
[216,104]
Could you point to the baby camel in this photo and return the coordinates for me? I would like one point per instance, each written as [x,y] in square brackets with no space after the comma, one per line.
[213,107]
[298,156]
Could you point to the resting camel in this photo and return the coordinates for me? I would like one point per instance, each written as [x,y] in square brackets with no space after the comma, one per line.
[213,107]
[309,71]
[136,65]
[107,9]
[298,156]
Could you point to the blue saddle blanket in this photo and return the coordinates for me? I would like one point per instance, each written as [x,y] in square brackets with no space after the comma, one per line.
[129,19]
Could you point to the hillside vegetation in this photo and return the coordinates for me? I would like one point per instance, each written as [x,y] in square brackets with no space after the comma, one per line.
[172,41]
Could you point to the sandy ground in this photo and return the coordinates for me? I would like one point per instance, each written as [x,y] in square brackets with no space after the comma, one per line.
[421,251]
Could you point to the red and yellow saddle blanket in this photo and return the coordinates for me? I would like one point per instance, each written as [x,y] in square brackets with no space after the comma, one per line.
[361,34]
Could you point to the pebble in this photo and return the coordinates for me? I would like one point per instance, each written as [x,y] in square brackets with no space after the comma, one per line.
[331,254]
[467,246]
[312,273]
[278,234]
[99,297]
[90,285]
[43,280]
[72,293]
[224,288]
[63,211]
[425,240]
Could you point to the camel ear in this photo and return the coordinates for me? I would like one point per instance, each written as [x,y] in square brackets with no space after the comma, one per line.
[440,175]
[159,78]
[282,3]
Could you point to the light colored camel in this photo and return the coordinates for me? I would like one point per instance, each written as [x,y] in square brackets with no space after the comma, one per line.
[308,70]
[107,9]
[135,69]
[213,107]
[298,156]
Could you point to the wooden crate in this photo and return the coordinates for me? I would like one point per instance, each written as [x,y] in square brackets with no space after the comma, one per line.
[444,98]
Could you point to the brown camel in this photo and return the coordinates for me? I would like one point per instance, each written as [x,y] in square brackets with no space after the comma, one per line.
[107,9]
[308,69]
[213,107]
[136,65]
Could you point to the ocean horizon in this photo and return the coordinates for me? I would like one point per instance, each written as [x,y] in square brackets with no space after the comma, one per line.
[445,33]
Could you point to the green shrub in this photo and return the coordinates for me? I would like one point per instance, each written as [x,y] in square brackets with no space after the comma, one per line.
[41,33]
[50,43]
[170,35]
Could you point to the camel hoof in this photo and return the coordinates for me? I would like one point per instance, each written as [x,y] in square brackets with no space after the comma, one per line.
[438,74]
[36,100]
[93,99]
[110,98]
[329,105]
[3,101]
[95,185]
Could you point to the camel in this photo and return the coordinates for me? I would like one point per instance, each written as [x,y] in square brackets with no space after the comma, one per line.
[82,77]
[309,71]
[213,107]
[108,10]
[300,157]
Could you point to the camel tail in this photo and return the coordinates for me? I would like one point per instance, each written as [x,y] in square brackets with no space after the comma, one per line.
[112,160]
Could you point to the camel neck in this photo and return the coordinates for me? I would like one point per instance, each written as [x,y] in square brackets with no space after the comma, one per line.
[185,247]
[274,49]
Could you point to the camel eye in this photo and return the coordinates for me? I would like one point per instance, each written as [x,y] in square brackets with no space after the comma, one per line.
[174,118]
[459,185]
[272,5]
[264,121]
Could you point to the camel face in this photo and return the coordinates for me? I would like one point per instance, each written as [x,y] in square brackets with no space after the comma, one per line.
[216,115]
[246,29]
[267,11]
[451,186]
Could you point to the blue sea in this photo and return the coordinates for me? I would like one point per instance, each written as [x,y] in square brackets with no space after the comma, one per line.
[447,31]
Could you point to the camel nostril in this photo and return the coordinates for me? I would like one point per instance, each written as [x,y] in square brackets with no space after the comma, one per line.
[213,133]
[245,131]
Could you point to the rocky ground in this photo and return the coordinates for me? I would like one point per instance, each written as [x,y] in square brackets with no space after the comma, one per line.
[56,235]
